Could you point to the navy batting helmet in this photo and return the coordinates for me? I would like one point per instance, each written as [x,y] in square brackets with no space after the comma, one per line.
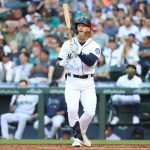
[83,20]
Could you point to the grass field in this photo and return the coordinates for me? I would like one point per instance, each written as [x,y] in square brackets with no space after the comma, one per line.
[95,142]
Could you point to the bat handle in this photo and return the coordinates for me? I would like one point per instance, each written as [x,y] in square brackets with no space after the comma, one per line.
[70,36]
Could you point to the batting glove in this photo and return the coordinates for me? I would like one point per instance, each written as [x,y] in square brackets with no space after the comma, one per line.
[73,49]
[63,63]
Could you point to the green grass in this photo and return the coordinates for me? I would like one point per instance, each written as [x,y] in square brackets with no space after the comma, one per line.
[142,142]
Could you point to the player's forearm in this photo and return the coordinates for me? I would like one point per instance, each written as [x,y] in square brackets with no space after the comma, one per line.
[89,59]
[12,108]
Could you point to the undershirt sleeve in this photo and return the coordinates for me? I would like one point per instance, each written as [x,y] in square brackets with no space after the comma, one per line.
[89,59]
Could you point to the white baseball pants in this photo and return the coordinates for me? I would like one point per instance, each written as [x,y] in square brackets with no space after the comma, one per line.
[125,99]
[13,117]
[56,123]
[83,90]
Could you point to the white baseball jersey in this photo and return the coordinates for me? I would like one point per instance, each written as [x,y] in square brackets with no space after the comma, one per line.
[125,31]
[123,81]
[112,57]
[75,65]
[25,103]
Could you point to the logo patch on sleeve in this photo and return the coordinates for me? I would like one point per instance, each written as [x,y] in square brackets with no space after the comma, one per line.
[98,51]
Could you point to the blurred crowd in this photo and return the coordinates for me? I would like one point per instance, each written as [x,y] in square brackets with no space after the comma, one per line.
[32,32]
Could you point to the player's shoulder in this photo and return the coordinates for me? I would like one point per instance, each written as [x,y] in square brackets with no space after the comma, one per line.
[137,78]
[95,43]
[67,42]
[96,46]
[74,39]
[123,77]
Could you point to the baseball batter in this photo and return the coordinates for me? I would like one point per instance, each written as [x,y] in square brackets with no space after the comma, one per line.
[80,58]
[22,108]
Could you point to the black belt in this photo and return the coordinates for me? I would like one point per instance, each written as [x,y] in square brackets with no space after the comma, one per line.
[80,76]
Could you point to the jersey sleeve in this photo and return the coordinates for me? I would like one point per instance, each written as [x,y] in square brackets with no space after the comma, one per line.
[36,99]
[119,82]
[97,50]
[13,100]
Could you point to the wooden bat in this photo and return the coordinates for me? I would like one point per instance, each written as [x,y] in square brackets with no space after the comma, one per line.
[67,20]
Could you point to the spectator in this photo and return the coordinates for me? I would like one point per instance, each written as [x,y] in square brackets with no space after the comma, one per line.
[144,53]
[23,71]
[110,27]
[127,29]
[83,11]
[10,33]
[50,6]
[112,53]
[37,42]
[24,36]
[100,37]
[1,65]
[52,43]
[36,53]
[14,55]
[31,12]
[52,21]
[61,32]
[144,29]
[8,67]
[16,13]
[102,70]
[55,72]
[3,44]
[55,109]
[99,16]
[23,49]
[21,110]
[129,80]
[3,9]
[39,73]
[129,53]
[37,29]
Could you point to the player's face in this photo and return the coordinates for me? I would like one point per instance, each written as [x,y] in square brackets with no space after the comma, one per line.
[83,31]
[130,71]
[23,85]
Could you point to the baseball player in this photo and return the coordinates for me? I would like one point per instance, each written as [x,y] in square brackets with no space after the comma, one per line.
[55,107]
[80,58]
[129,80]
[22,108]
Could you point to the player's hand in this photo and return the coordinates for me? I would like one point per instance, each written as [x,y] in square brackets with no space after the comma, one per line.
[73,49]
[63,63]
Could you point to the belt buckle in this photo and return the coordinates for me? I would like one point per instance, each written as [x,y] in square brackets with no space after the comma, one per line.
[89,76]
[70,75]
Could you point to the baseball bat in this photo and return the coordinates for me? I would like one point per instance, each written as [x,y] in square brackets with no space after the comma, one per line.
[67,20]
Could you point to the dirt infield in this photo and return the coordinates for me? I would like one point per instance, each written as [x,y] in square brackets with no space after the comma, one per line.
[68,147]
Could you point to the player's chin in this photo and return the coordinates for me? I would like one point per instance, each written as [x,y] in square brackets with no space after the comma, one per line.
[81,35]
